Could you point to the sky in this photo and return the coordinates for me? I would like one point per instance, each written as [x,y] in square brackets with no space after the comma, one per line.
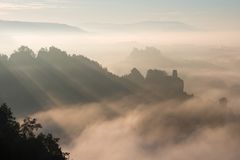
[210,14]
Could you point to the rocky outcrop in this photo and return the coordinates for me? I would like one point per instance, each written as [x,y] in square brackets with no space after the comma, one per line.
[159,83]
[135,76]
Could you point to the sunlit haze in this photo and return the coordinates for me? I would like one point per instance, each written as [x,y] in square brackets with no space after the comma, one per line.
[120,79]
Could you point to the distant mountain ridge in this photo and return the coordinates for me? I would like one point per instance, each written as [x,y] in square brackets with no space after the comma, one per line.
[37,26]
[24,26]
[142,26]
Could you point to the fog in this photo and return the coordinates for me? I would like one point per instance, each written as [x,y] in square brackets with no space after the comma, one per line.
[200,128]
[195,129]
[109,47]
[120,79]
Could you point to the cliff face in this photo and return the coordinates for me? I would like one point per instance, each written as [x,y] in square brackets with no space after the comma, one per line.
[159,83]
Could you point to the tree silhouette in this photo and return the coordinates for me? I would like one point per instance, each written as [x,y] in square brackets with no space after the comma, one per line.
[28,128]
[22,141]
[23,56]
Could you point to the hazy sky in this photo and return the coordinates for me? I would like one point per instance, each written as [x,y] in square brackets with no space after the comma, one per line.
[216,14]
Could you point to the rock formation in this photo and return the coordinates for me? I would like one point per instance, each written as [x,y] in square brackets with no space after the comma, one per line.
[159,83]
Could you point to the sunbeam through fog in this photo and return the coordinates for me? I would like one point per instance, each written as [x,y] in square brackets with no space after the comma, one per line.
[119,80]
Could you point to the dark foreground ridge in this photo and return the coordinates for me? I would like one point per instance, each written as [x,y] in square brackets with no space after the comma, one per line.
[53,77]
[20,141]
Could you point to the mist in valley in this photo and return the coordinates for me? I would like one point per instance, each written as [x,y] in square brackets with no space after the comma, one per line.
[124,128]
[152,81]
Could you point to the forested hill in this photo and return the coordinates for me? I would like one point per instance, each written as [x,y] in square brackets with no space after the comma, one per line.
[53,77]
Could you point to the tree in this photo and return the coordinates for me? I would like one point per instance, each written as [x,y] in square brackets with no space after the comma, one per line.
[29,127]
[23,55]
[22,141]
[8,125]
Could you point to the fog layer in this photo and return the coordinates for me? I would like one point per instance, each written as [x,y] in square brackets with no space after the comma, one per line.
[194,129]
